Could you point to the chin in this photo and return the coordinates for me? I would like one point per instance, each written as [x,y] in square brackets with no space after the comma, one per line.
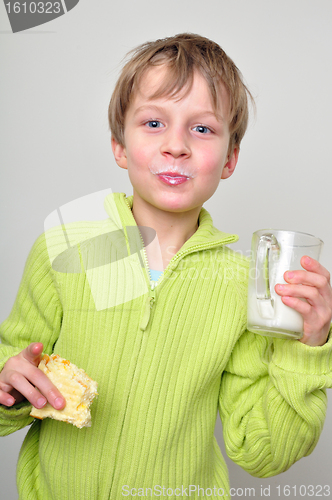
[177,207]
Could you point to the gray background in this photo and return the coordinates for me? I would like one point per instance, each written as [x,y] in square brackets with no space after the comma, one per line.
[56,82]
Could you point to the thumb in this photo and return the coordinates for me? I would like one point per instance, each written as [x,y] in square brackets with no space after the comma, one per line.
[33,352]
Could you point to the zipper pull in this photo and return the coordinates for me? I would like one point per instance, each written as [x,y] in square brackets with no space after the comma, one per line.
[148,306]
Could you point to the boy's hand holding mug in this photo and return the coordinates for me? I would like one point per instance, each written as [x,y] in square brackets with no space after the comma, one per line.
[21,379]
[284,301]
[312,284]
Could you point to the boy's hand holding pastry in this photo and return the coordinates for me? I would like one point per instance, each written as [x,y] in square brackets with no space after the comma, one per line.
[312,284]
[21,379]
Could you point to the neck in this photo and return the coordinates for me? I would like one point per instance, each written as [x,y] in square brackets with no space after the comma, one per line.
[173,229]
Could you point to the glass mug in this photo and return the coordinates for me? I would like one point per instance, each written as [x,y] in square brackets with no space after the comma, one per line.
[272,253]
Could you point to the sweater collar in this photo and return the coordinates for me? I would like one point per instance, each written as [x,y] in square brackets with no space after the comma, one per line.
[118,206]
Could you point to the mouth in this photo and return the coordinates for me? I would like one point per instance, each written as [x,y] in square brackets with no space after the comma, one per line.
[172,178]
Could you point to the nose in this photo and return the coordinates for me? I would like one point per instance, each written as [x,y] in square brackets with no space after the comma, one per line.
[176,143]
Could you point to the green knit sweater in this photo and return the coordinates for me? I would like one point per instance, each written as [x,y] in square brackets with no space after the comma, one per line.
[165,359]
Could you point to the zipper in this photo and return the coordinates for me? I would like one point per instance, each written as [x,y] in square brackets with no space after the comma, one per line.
[151,298]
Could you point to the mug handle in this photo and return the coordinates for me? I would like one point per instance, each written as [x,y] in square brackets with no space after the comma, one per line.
[267,244]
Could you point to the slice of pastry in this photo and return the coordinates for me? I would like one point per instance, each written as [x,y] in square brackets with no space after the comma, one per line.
[75,386]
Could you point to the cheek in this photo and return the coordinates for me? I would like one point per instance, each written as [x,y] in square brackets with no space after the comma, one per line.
[212,162]
[138,155]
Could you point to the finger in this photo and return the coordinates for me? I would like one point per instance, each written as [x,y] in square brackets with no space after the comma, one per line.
[309,303]
[6,399]
[311,279]
[34,385]
[312,297]
[314,266]
[299,305]
[315,328]
[306,278]
[46,387]
[310,293]
[26,389]
[33,352]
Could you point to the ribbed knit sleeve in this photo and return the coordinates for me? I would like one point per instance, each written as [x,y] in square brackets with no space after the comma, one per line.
[273,400]
[35,317]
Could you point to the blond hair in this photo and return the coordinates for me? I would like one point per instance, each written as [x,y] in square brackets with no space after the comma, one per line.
[183,54]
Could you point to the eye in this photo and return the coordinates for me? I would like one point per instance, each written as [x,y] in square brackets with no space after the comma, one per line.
[202,129]
[154,124]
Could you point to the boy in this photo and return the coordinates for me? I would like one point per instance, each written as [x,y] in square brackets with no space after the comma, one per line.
[167,358]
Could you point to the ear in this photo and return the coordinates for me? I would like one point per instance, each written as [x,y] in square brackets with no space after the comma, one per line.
[231,163]
[119,153]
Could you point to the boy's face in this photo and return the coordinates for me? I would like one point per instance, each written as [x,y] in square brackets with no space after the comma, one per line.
[175,149]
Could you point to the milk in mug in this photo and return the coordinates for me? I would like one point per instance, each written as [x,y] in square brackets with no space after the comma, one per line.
[273,253]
